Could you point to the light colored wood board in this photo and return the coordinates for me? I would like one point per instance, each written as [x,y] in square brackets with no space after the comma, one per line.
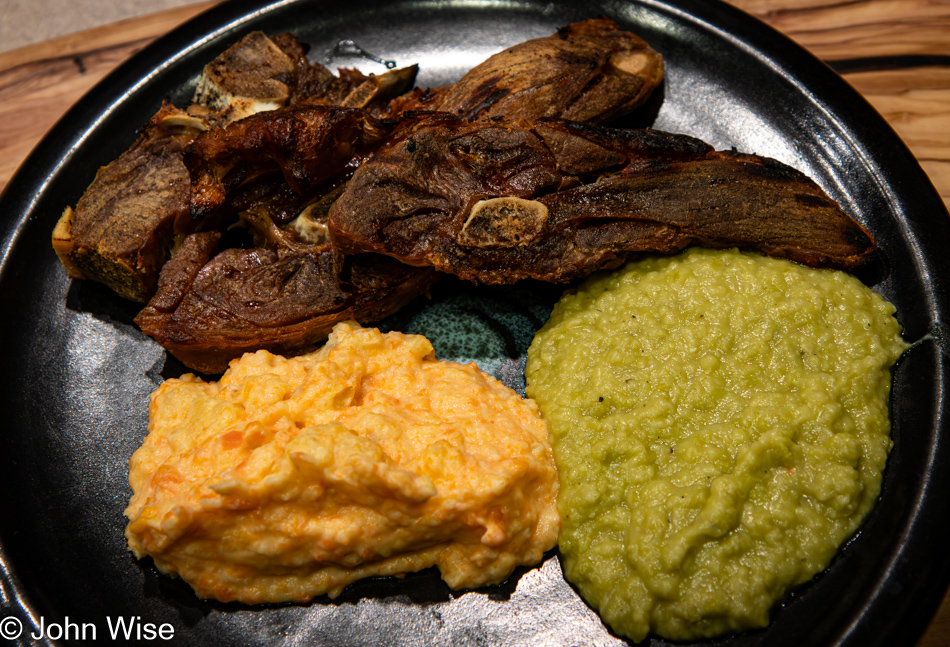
[939,174]
[863,29]
[37,95]
[916,103]
[39,83]
[921,118]
[119,34]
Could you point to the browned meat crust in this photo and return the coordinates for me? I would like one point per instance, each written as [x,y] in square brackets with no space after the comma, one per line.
[476,178]
[588,71]
[308,145]
[122,227]
[254,73]
[263,73]
[576,198]
[213,307]
[353,89]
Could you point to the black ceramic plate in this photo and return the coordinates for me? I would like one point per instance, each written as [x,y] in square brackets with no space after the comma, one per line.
[77,373]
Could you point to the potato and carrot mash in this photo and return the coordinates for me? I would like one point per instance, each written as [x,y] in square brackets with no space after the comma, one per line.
[292,478]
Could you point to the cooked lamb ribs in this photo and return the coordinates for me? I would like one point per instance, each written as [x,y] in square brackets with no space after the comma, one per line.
[284,294]
[588,71]
[126,221]
[312,148]
[213,307]
[260,73]
[496,203]
[124,226]
[353,196]
[271,166]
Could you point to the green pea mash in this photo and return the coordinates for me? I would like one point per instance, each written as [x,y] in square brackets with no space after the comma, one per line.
[720,426]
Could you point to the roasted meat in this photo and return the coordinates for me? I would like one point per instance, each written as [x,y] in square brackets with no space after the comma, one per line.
[496,203]
[353,200]
[212,307]
[284,294]
[253,75]
[122,227]
[261,73]
[353,89]
[588,71]
[308,146]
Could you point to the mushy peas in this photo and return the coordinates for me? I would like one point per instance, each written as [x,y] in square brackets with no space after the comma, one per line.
[291,478]
[720,425]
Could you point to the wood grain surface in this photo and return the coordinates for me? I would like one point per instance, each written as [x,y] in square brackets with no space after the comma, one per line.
[895,52]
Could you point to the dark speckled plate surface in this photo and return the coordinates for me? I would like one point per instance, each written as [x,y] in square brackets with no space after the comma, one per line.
[77,373]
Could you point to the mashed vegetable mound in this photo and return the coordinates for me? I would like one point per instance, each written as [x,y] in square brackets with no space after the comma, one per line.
[720,427]
[292,478]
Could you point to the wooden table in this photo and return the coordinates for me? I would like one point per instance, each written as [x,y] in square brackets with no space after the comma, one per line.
[895,52]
